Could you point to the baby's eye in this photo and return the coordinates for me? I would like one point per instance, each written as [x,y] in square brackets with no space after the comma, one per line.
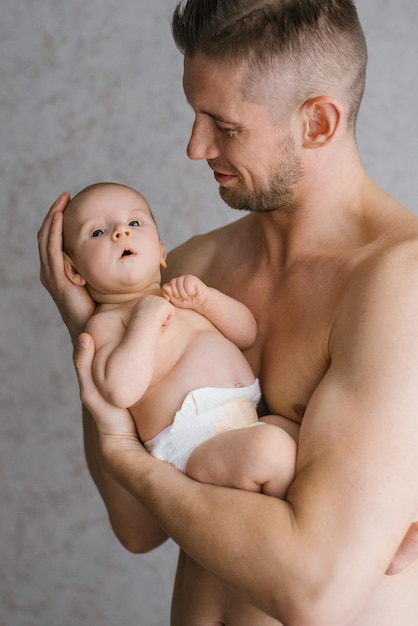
[134,223]
[98,232]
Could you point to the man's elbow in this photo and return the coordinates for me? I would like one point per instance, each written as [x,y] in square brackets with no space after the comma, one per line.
[136,544]
[316,600]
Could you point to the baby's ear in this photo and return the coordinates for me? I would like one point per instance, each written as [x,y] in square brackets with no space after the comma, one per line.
[163,258]
[71,273]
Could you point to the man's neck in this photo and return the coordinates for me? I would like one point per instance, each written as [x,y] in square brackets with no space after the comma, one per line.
[332,209]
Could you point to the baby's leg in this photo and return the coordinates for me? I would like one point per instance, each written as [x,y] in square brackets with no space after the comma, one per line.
[256,458]
[291,427]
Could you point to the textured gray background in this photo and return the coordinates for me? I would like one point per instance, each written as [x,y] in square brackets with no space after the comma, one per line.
[92,91]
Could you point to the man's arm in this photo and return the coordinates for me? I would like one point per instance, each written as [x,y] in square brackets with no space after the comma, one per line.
[232,318]
[352,501]
[135,528]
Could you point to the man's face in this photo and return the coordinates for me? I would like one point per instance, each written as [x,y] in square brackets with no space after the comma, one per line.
[254,160]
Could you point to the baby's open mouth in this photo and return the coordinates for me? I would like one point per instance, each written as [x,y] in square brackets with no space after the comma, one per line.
[127,253]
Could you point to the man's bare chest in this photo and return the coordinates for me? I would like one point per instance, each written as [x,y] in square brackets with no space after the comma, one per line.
[290,358]
[291,355]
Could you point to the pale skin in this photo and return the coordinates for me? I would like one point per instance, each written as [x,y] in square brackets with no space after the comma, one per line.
[334,293]
[156,344]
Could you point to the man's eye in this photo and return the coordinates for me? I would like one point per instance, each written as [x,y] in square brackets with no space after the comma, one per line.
[135,223]
[98,232]
[229,132]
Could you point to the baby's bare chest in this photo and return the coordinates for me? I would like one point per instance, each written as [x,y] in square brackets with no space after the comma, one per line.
[190,354]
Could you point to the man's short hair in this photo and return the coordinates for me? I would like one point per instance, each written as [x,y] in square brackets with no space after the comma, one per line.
[296,49]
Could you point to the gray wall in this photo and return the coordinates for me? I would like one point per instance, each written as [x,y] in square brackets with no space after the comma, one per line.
[92,91]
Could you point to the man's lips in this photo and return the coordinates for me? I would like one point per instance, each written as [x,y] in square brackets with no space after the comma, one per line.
[222,176]
[223,179]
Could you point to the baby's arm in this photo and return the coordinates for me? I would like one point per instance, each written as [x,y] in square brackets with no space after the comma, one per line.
[232,318]
[124,361]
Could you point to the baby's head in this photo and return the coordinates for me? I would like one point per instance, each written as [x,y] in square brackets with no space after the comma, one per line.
[111,243]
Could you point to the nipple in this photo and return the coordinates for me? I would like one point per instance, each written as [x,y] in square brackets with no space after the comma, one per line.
[299,410]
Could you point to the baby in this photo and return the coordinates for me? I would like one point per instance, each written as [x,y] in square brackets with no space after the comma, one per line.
[172,354]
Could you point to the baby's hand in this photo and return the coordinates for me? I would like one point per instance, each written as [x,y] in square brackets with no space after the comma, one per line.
[154,308]
[186,292]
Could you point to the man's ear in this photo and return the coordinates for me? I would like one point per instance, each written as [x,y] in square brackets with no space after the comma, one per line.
[71,272]
[322,116]
[163,257]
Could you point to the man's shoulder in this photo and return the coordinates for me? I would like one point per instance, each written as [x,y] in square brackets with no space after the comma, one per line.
[395,257]
[198,254]
[382,282]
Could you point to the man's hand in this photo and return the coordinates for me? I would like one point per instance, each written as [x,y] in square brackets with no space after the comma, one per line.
[109,419]
[117,435]
[74,303]
[110,441]
[187,292]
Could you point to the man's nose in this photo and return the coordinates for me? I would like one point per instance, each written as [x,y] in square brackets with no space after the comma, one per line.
[119,231]
[202,142]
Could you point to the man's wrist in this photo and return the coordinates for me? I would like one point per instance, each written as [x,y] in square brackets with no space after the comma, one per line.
[121,454]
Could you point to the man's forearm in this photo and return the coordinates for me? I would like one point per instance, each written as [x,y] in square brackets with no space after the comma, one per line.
[281,561]
[216,526]
[134,527]
[277,553]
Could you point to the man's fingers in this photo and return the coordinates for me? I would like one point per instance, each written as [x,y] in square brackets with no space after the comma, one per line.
[50,240]
[59,205]
[83,360]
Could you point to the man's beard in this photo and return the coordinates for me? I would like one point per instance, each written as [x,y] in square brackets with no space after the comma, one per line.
[275,195]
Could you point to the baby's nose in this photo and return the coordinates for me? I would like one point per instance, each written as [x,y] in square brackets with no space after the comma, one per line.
[120,231]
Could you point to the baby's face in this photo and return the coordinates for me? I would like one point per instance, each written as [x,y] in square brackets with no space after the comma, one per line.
[112,239]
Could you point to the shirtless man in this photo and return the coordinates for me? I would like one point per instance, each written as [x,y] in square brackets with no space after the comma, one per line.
[327,262]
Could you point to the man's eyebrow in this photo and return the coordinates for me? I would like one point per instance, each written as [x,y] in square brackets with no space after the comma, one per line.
[219,118]
[214,116]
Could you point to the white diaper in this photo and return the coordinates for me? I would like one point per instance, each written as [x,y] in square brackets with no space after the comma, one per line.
[205,413]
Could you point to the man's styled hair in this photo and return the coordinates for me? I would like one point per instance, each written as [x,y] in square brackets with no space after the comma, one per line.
[294,49]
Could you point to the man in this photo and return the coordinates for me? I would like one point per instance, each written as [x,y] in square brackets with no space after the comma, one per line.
[327,262]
